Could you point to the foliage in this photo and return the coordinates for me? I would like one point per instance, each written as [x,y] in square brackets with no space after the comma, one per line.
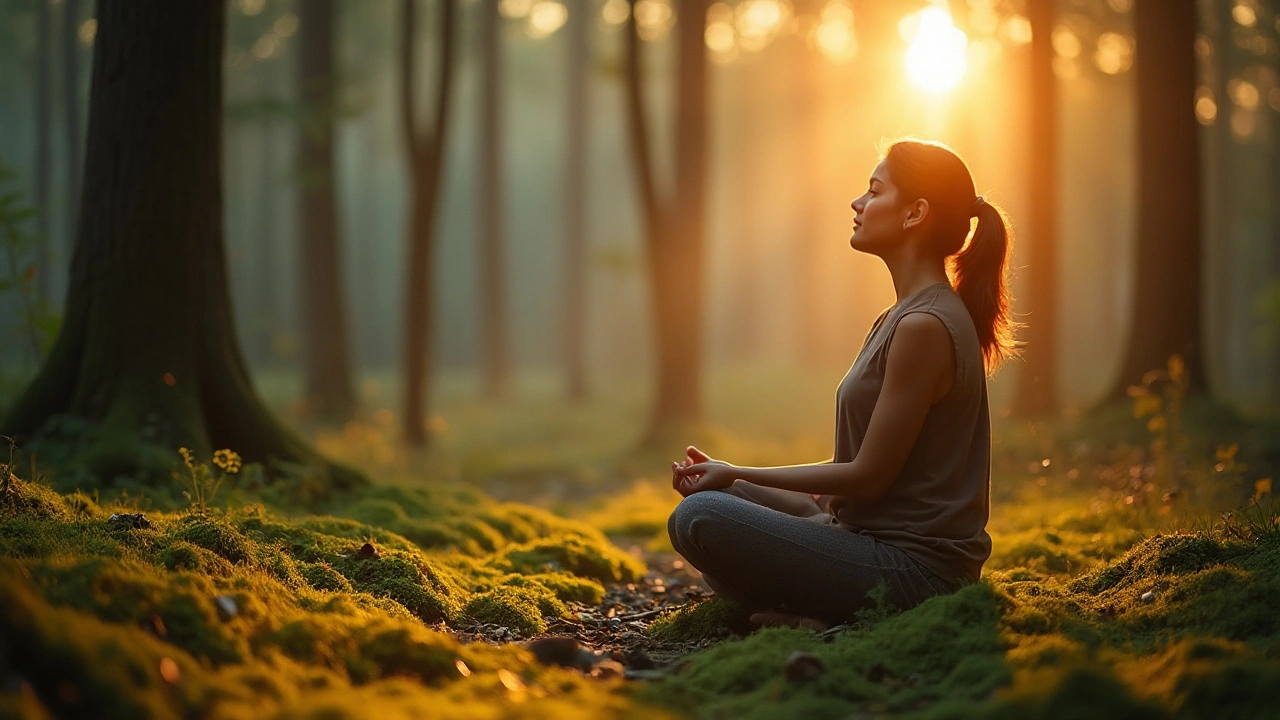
[200,482]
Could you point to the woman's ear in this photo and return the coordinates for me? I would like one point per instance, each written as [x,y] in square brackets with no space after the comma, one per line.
[916,213]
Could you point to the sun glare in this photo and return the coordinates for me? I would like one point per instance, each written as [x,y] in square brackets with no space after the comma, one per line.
[936,56]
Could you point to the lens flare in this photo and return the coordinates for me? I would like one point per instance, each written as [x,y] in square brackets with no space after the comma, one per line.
[936,58]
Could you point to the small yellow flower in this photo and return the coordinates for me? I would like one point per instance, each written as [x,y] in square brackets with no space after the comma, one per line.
[187,457]
[228,460]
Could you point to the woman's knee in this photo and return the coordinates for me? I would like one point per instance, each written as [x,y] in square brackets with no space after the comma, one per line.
[693,511]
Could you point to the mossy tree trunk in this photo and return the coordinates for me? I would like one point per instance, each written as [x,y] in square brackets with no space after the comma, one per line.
[1166,312]
[148,351]
[426,161]
[1037,393]
[330,392]
[675,244]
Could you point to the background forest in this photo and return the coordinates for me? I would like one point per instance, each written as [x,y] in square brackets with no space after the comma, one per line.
[361,390]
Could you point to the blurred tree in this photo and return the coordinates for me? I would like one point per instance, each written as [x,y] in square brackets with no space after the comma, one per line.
[675,241]
[426,158]
[1221,148]
[1166,315]
[811,132]
[1037,393]
[576,189]
[329,392]
[43,158]
[493,287]
[148,352]
[71,107]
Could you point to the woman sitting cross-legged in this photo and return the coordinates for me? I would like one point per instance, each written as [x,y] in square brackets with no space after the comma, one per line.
[903,502]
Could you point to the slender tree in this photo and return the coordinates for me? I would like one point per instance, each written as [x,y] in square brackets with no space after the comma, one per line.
[426,159]
[40,173]
[495,353]
[329,391]
[71,102]
[148,349]
[1166,317]
[1037,392]
[675,245]
[576,189]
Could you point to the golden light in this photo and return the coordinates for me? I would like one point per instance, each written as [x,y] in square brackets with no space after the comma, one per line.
[834,36]
[984,20]
[936,57]
[1065,42]
[1114,54]
[720,13]
[287,25]
[1243,93]
[545,17]
[721,40]
[1243,123]
[1244,15]
[761,18]
[1273,99]
[654,19]
[1121,6]
[88,31]
[1065,68]
[515,9]
[1206,108]
[1203,46]
[265,47]
[1017,30]
[616,12]
[837,11]
[252,7]
[984,52]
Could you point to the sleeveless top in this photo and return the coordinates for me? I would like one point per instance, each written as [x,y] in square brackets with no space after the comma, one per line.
[936,509]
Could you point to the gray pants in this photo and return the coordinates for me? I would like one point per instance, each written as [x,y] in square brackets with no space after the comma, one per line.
[765,558]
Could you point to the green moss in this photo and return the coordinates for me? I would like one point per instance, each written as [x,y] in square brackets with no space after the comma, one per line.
[422,589]
[564,586]
[1076,692]
[322,576]
[216,534]
[588,556]
[520,608]
[703,621]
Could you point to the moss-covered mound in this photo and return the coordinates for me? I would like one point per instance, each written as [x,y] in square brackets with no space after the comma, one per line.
[1181,626]
[704,621]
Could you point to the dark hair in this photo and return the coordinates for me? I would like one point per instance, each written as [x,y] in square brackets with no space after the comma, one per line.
[932,171]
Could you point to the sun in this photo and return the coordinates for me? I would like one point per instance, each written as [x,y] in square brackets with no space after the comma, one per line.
[936,56]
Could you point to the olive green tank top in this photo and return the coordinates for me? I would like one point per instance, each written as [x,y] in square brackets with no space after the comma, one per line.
[936,509]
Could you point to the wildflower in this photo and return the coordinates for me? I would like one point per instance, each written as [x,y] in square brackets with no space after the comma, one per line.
[187,457]
[227,460]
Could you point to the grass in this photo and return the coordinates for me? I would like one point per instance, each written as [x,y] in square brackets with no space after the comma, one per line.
[1116,588]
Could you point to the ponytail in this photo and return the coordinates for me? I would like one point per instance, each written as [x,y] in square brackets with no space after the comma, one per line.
[931,170]
[979,271]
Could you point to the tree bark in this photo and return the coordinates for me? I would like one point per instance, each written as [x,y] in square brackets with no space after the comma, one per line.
[40,173]
[493,289]
[329,391]
[148,349]
[1037,392]
[71,106]
[674,231]
[576,189]
[1166,316]
[426,161]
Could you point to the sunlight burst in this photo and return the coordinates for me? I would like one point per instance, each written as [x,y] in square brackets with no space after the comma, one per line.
[936,57]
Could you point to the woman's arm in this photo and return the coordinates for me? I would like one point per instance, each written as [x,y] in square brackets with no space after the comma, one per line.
[918,372]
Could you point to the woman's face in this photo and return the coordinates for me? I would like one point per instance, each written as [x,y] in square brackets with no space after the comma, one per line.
[878,219]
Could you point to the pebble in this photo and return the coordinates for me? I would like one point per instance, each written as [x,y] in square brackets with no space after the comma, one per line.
[615,623]
[1148,596]
[556,650]
[226,607]
[368,551]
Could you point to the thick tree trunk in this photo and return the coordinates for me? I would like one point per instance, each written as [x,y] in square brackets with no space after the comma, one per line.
[1166,306]
[495,354]
[148,349]
[71,108]
[426,162]
[576,189]
[329,391]
[1037,393]
[40,173]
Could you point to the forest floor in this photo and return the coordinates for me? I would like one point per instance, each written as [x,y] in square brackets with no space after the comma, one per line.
[521,569]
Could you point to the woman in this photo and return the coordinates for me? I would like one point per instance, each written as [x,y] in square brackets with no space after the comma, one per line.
[903,503]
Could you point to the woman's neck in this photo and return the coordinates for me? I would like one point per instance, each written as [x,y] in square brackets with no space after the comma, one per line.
[911,273]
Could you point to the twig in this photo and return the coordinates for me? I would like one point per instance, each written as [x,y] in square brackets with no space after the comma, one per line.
[642,615]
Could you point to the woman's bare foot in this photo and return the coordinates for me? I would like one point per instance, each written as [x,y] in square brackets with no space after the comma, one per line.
[782,618]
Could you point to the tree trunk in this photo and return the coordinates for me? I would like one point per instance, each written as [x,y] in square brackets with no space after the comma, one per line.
[1166,307]
[71,108]
[1221,244]
[40,173]
[329,392]
[1037,392]
[493,288]
[675,233]
[426,161]
[148,349]
[576,188]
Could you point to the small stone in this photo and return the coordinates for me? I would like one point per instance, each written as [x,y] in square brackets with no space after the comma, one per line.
[170,671]
[803,666]
[1148,596]
[129,520]
[615,624]
[226,607]
[559,650]
[368,551]
[606,669]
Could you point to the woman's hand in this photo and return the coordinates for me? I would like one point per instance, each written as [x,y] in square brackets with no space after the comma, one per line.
[710,474]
